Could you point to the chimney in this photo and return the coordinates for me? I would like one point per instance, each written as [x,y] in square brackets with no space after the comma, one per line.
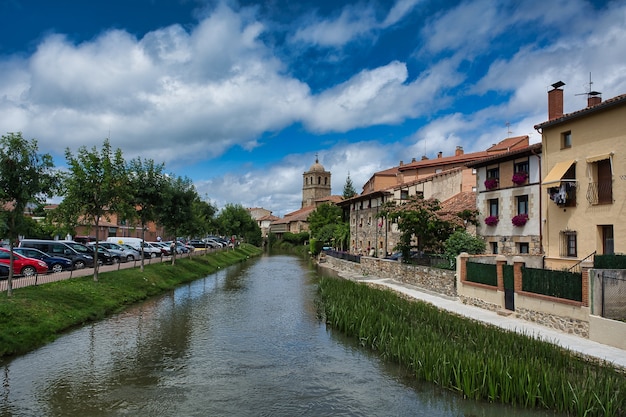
[424,158]
[593,98]
[555,101]
[459,151]
[412,159]
[439,154]
[401,163]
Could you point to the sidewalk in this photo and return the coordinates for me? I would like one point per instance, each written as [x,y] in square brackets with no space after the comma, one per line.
[571,342]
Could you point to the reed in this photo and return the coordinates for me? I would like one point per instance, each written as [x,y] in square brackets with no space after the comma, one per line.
[478,361]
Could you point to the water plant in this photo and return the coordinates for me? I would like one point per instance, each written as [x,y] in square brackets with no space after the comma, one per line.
[475,360]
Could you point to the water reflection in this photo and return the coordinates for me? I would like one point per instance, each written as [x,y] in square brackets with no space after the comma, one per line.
[244,341]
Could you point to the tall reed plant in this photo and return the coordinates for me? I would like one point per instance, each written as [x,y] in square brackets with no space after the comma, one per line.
[478,361]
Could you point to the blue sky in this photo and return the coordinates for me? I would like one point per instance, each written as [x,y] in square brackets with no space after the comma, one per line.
[241,96]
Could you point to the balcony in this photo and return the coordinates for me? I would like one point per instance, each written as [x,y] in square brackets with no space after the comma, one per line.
[600,192]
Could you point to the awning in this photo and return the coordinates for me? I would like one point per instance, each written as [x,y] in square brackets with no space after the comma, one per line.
[555,176]
[599,157]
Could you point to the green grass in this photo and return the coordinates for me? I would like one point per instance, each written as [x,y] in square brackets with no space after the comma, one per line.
[478,361]
[36,315]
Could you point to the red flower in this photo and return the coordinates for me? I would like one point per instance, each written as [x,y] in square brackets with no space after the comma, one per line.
[519,220]
[491,183]
[520,177]
[491,220]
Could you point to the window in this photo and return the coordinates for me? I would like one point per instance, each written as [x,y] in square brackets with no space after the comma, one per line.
[568,243]
[493,207]
[600,189]
[522,204]
[494,248]
[566,140]
[522,166]
[493,173]
[522,247]
[404,194]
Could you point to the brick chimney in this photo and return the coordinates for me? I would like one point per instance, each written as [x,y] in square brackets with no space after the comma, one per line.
[555,101]
[439,154]
[459,151]
[424,158]
[593,98]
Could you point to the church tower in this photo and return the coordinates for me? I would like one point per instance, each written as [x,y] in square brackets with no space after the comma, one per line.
[315,184]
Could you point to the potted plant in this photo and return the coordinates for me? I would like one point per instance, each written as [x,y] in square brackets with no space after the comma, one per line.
[520,177]
[491,220]
[519,220]
[491,183]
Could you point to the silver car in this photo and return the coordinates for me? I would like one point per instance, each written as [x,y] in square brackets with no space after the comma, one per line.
[125,252]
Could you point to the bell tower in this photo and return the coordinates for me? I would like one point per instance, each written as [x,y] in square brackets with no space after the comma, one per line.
[315,184]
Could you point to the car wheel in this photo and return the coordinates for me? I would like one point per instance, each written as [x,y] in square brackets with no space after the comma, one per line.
[28,271]
[57,268]
[130,258]
[115,260]
[79,264]
[152,255]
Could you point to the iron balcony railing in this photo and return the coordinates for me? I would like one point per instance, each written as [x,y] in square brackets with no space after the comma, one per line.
[600,192]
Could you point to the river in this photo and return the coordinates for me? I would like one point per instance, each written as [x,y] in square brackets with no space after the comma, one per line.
[244,341]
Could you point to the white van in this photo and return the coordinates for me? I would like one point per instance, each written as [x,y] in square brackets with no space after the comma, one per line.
[135,242]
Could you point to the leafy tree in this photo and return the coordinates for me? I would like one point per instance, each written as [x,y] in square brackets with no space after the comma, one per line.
[461,241]
[421,224]
[323,215]
[95,186]
[235,220]
[348,189]
[146,183]
[296,238]
[342,235]
[203,221]
[176,210]
[26,177]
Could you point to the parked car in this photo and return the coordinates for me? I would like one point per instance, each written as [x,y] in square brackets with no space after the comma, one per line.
[126,252]
[105,257]
[150,251]
[23,265]
[119,255]
[55,263]
[80,256]
[215,242]
[198,243]
[4,271]
[165,249]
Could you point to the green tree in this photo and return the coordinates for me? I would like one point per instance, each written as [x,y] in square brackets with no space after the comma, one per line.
[324,215]
[235,220]
[176,211]
[146,183]
[422,225]
[348,189]
[203,221]
[95,186]
[26,177]
[461,241]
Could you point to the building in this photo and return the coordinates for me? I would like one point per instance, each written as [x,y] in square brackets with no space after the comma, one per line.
[584,179]
[509,201]
[315,184]
[264,219]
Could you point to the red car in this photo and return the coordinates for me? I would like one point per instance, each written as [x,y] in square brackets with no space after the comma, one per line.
[23,265]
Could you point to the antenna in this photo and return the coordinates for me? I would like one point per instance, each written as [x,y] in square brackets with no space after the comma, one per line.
[508,129]
[590,92]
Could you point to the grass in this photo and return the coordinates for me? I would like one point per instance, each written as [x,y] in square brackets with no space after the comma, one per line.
[37,315]
[479,362]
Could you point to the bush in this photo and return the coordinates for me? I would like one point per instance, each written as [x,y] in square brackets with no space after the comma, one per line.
[461,241]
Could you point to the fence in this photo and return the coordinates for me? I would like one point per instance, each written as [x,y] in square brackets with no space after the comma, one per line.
[560,284]
[343,255]
[613,295]
[482,273]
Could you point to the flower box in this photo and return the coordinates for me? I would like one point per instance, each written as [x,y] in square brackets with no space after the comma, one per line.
[519,220]
[491,220]
[491,183]
[520,177]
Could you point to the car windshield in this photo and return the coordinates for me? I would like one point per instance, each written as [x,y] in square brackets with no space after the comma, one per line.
[78,247]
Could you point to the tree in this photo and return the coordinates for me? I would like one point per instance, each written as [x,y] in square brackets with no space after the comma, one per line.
[461,241]
[95,186]
[26,177]
[235,220]
[421,224]
[348,189]
[146,183]
[176,211]
[325,214]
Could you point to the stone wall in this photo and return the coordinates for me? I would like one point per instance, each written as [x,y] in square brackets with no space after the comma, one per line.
[440,281]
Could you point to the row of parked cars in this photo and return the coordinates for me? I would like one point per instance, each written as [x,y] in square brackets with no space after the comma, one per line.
[36,256]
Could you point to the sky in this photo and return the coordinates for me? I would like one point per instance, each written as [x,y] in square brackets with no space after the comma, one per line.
[242,96]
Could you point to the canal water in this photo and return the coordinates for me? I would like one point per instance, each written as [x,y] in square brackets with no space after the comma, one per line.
[244,341]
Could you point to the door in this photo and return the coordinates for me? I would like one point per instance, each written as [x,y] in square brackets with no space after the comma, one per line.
[607,240]
[509,287]
[605,182]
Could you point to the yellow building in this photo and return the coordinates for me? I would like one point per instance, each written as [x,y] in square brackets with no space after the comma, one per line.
[583,179]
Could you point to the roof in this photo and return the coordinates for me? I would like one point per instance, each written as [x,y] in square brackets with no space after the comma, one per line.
[605,105]
[298,215]
[509,143]
[462,201]
[506,156]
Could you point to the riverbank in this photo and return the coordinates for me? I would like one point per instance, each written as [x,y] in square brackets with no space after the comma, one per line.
[36,315]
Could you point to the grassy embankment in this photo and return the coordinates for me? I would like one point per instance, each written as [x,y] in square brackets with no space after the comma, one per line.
[36,315]
[478,361]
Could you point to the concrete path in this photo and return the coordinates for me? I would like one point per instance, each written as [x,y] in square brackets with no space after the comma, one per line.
[571,342]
